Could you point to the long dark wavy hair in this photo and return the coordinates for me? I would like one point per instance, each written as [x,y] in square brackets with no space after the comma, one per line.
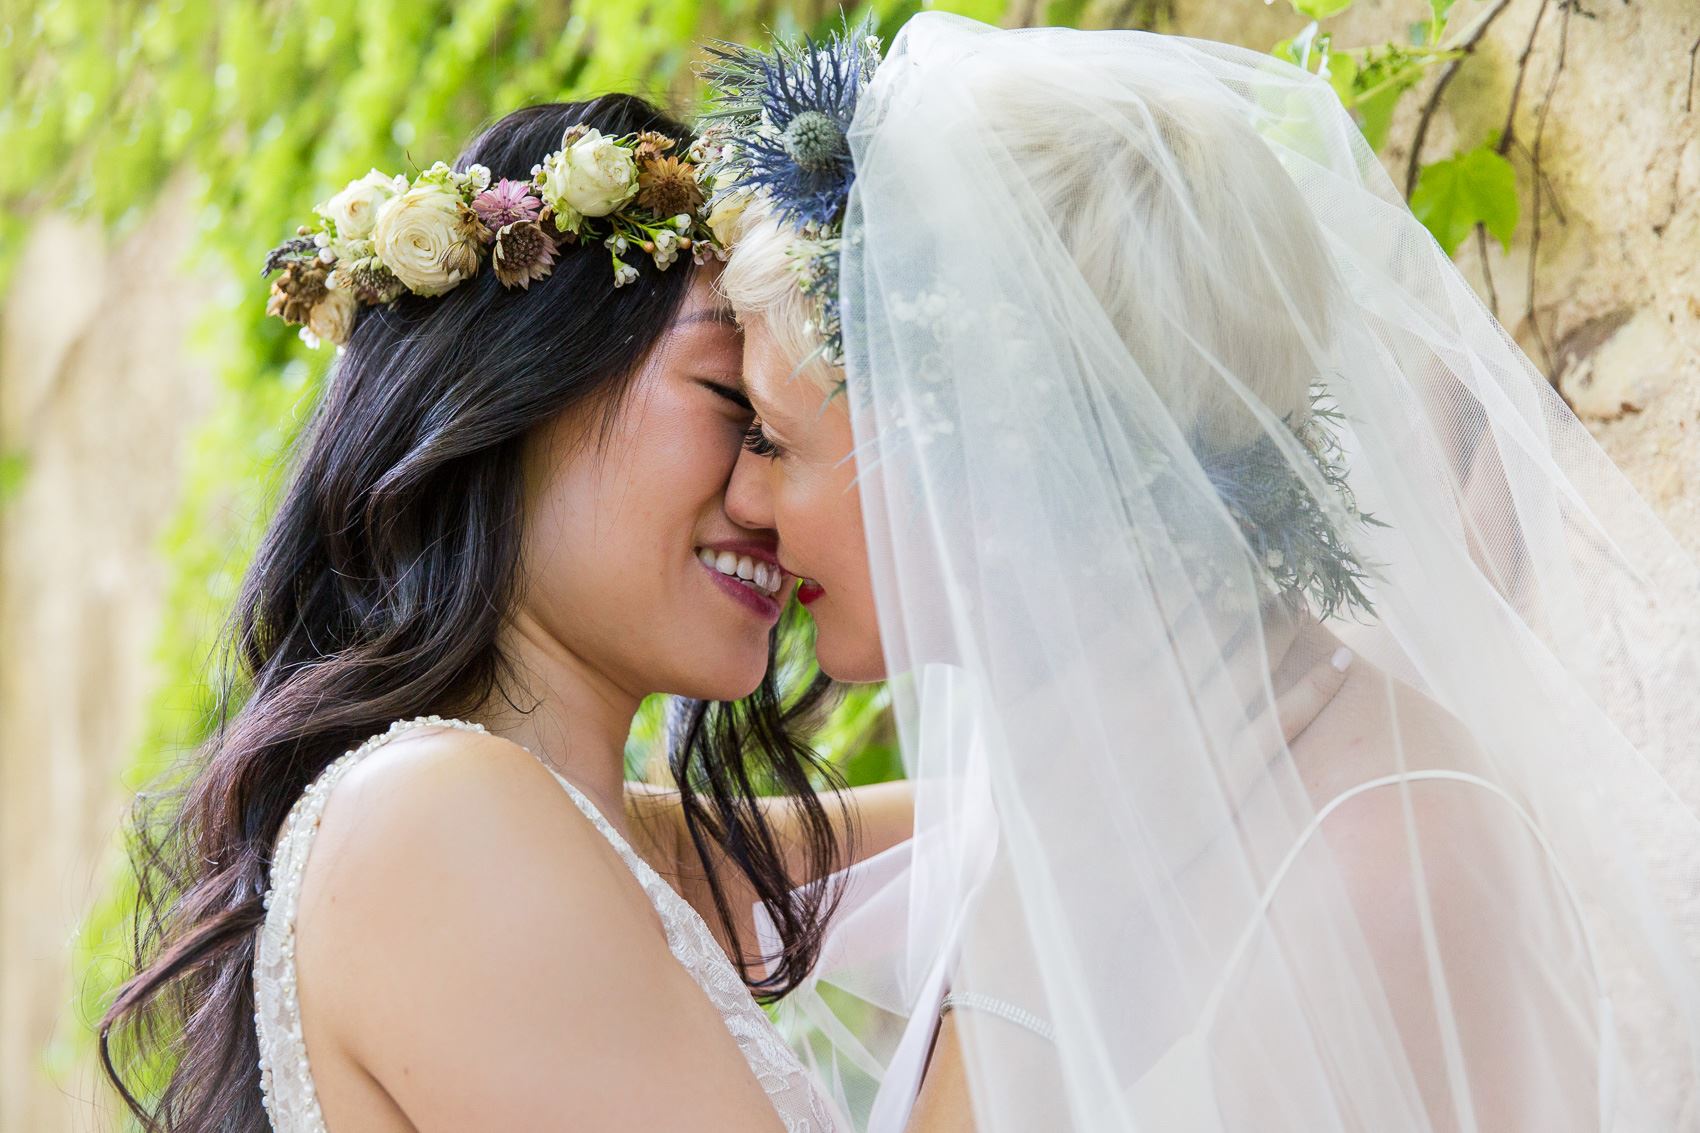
[377,593]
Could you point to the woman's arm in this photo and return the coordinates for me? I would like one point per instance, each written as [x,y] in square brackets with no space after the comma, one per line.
[943,1105]
[882,814]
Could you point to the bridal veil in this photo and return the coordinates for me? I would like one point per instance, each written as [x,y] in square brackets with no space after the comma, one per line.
[1160,394]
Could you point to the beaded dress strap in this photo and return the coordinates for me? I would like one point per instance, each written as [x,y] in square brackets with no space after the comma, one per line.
[285,1075]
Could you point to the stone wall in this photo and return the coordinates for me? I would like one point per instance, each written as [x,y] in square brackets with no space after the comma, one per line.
[99,392]
[1617,277]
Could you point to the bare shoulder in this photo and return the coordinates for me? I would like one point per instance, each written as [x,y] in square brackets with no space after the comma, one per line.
[1411,807]
[1376,726]
[438,805]
[471,944]
[1392,826]
[433,764]
[1458,900]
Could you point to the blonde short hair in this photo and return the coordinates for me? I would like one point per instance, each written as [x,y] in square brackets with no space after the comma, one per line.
[761,282]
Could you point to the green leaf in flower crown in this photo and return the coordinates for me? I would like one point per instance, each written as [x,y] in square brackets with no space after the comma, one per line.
[1474,187]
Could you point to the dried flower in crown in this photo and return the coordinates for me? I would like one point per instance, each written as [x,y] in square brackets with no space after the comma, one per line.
[384,236]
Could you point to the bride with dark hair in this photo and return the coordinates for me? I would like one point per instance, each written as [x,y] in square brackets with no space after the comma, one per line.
[407,849]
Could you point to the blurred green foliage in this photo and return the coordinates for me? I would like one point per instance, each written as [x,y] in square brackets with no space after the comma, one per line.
[244,112]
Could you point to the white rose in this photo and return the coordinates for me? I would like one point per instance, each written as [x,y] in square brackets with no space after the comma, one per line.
[333,316]
[592,177]
[356,208]
[723,221]
[428,238]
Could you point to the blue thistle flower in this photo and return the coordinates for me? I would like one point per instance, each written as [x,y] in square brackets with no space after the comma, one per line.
[1289,536]
[786,115]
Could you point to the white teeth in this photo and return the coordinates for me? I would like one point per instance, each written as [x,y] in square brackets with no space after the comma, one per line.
[757,575]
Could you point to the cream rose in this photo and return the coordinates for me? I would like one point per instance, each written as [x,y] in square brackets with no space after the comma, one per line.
[428,238]
[592,177]
[332,317]
[723,221]
[355,209]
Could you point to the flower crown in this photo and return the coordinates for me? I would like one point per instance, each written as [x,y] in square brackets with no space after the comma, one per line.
[383,236]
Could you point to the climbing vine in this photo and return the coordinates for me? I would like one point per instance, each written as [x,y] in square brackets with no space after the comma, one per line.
[1477,191]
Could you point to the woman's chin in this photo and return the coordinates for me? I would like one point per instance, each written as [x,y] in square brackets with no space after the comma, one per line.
[736,678]
[858,663]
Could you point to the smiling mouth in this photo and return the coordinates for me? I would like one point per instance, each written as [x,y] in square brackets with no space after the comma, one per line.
[764,578]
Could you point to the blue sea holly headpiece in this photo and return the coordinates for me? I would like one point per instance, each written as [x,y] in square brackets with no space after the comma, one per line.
[783,118]
[778,128]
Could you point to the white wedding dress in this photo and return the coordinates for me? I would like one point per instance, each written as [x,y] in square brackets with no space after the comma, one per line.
[286,1080]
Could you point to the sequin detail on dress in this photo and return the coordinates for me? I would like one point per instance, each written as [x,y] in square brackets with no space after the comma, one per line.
[286,1080]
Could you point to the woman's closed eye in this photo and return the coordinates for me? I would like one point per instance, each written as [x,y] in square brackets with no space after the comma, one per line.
[757,442]
[728,393]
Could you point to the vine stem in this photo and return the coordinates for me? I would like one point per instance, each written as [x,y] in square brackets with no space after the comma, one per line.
[1487,272]
[1567,7]
[1433,56]
[1693,54]
[1465,48]
[1510,129]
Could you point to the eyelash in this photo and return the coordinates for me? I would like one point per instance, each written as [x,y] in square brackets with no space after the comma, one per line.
[731,395]
[756,442]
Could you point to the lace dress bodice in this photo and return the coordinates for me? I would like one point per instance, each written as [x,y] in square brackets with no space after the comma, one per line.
[286,1081]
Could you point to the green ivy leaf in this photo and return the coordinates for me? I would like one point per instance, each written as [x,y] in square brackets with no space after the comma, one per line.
[1439,10]
[1475,187]
[1064,13]
[14,469]
[986,11]
[1374,114]
[1321,9]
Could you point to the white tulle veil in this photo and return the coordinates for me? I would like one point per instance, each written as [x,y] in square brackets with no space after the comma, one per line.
[1160,393]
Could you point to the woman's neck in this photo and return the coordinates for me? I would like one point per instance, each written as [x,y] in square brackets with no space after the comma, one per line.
[569,714]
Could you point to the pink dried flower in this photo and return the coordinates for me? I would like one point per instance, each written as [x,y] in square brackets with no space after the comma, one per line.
[523,252]
[504,203]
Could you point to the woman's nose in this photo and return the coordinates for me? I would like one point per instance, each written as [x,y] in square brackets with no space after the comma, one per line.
[748,501]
